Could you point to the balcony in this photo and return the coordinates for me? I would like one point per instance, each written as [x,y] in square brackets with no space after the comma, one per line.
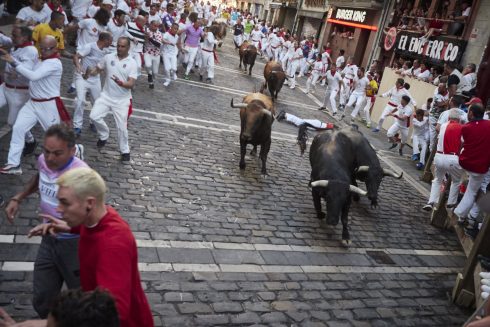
[315,3]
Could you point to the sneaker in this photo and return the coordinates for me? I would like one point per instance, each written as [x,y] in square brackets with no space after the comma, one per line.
[79,151]
[93,128]
[292,87]
[281,115]
[286,82]
[174,76]
[400,151]
[71,90]
[186,77]
[125,157]
[167,83]
[101,143]
[151,86]
[29,148]
[209,81]
[375,130]
[77,131]
[416,157]
[428,207]
[393,145]
[368,125]
[307,92]
[322,108]
[471,232]
[462,222]
[334,114]
[420,166]
[200,78]
[342,116]
[150,79]
[11,170]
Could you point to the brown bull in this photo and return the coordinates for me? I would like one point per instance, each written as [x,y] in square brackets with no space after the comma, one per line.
[219,31]
[248,53]
[256,116]
[274,78]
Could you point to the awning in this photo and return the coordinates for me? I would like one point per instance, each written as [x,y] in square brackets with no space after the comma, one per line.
[356,25]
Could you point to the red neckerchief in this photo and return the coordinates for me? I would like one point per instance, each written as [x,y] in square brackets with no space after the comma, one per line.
[140,27]
[333,73]
[171,33]
[182,21]
[115,22]
[51,6]
[23,45]
[445,93]
[55,55]
[421,71]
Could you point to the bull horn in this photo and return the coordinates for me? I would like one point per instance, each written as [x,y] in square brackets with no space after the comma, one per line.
[320,183]
[362,169]
[266,112]
[238,105]
[357,190]
[387,172]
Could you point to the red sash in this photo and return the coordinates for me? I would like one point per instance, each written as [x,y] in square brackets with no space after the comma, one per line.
[64,115]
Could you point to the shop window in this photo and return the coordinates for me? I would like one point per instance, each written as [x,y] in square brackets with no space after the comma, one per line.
[343,31]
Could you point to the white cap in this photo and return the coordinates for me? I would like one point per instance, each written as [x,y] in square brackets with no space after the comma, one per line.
[108,2]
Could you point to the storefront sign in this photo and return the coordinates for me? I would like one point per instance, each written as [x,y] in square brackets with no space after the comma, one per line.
[351,15]
[435,51]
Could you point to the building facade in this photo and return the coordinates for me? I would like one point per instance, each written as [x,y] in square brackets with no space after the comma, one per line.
[310,20]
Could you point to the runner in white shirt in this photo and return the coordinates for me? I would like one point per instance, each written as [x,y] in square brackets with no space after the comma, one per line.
[151,50]
[420,137]
[169,53]
[14,92]
[395,94]
[316,72]
[275,44]
[154,13]
[348,74]
[401,124]
[121,72]
[85,60]
[44,105]
[36,13]
[207,56]
[335,82]
[90,28]
[294,61]
[117,27]
[287,45]
[79,8]
[340,59]
[123,5]
[358,95]
[256,36]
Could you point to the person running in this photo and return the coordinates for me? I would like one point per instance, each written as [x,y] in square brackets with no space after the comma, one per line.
[402,117]
[293,65]
[153,43]
[358,95]
[121,74]
[45,105]
[193,32]
[169,54]
[335,82]
[207,56]
[107,250]
[57,258]
[85,60]
[316,74]
[238,33]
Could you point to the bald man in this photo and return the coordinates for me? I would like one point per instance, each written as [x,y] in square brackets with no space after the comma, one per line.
[44,105]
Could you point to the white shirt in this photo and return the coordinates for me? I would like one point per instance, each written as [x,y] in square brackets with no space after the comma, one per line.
[420,128]
[340,61]
[40,17]
[170,49]
[209,42]
[274,40]
[318,67]
[333,80]
[469,81]
[28,57]
[116,31]
[89,31]
[123,70]
[403,111]
[286,46]
[122,5]
[349,71]
[423,75]
[44,77]
[361,84]
[79,8]
[157,17]
[444,117]
[396,95]
[91,55]
[92,10]
[297,54]
[325,58]
[256,35]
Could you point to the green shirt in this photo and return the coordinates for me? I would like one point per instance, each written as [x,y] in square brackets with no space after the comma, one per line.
[248,27]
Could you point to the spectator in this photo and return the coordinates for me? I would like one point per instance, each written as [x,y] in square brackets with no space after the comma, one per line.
[469,77]
[461,18]
[455,82]
[474,157]
[424,73]
[36,13]
[456,103]
[420,137]
[107,252]
[439,105]
[74,308]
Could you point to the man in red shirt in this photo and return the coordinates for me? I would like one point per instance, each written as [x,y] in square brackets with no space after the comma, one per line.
[446,161]
[474,157]
[107,248]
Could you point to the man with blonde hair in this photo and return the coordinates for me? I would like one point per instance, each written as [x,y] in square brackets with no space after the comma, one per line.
[107,248]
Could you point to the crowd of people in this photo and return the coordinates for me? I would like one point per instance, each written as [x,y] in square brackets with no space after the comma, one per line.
[120,38]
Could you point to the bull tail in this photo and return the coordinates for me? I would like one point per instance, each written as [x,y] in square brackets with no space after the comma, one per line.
[303,137]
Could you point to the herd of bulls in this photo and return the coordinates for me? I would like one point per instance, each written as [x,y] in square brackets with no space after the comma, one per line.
[339,158]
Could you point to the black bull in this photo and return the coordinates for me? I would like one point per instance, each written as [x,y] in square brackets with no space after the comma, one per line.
[337,159]
[248,53]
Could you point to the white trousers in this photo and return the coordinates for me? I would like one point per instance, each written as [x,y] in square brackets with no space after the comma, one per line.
[475,209]
[432,132]
[311,81]
[238,39]
[256,44]
[367,109]
[46,113]
[474,183]
[395,128]
[277,54]
[358,100]
[246,36]
[83,86]
[385,113]
[345,91]
[169,65]
[15,99]
[285,61]
[137,57]
[120,110]
[420,140]
[298,121]
[446,164]
[190,56]
[207,64]
[330,96]
[291,72]
[152,63]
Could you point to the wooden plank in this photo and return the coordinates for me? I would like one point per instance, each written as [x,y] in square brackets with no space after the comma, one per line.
[439,215]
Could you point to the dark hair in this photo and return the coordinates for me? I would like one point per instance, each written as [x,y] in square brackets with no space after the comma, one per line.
[105,36]
[477,110]
[74,308]
[119,12]
[419,112]
[342,51]
[102,16]
[407,86]
[25,32]
[457,100]
[406,98]
[63,132]
[362,69]
[56,14]
[472,67]
[400,81]
[430,99]
[193,17]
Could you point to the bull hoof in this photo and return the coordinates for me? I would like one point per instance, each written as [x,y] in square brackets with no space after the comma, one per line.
[242,165]
[346,243]
[250,73]
[332,222]
[320,215]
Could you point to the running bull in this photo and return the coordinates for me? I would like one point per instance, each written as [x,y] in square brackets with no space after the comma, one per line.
[274,78]
[256,115]
[335,159]
[219,31]
[248,53]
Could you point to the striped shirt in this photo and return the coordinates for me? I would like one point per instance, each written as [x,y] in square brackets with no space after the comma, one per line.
[136,34]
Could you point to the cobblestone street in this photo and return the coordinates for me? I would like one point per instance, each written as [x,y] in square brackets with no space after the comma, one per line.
[220,246]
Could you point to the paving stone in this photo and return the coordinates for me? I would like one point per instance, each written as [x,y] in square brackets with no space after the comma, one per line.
[245,318]
[273,317]
[211,320]
[194,308]
[227,307]
[178,297]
